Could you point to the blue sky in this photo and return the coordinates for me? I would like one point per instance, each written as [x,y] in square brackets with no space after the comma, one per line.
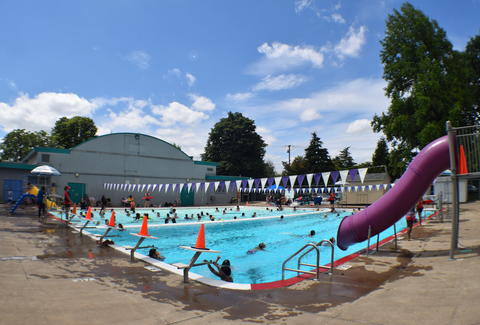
[172,69]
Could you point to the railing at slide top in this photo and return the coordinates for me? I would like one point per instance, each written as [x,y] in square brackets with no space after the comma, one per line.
[468,138]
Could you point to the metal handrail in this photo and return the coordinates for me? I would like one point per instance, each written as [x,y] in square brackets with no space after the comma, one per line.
[314,246]
[320,243]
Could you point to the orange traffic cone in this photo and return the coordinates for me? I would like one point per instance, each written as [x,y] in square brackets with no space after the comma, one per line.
[89,214]
[111,223]
[74,210]
[462,161]
[144,229]
[201,238]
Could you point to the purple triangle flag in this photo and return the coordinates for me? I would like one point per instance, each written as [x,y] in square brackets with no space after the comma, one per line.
[300,179]
[317,177]
[270,181]
[352,173]
[284,181]
[334,175]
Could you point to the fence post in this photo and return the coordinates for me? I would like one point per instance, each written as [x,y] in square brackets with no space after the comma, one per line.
[453,167]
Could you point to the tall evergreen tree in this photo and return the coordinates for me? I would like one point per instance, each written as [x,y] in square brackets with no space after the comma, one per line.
[380,155]
[234,143]
[344,159]
[316,157]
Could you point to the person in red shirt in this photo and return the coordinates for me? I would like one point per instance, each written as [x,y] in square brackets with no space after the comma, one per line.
[410,217]
[419,210]
[67,202]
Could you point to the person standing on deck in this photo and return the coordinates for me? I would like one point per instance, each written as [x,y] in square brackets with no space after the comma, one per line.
[67,202]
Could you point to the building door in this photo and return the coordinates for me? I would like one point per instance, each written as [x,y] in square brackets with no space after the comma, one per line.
[186,197]
[12,189]
[77,191]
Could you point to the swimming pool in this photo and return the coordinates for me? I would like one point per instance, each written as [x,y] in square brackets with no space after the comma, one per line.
[157,216]
[282,238]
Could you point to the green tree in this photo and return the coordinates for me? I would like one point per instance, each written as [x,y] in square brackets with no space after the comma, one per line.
[234,143]
[269,169]
[18,143]
[69,132]
[380,155]
[472,62]
[316,157]
[298,166]
[344,159]
[416,56]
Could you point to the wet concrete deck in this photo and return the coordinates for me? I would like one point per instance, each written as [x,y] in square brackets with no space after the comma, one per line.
[66,279]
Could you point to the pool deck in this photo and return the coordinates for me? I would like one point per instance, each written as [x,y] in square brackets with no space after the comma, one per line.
[66,279]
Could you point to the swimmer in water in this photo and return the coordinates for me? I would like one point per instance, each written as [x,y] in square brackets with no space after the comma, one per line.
[260,247]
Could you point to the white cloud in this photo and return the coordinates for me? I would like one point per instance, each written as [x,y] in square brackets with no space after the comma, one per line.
[132,118]
[266,134]
[140,58]
[352,43]
[336,17]
[191,140]
[41,111]
[364,96]
[239,97]
[359,126]
[300,5]
[282,81]
[309,114]
[190,79]
[176,112]
[184,77]
[201,103]
[280,57]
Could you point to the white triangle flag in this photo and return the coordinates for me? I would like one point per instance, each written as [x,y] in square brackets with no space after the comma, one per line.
[263,181]
[277,181]
[238,184]
[362,172]
[309,179]
[325,177]
[250,184]
[377,187]
[216,186]
[343,176]
[393,184]
[189,186]
[292,180]
[363,188]
[154,187]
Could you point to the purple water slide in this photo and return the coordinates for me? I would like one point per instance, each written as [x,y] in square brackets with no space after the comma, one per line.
[392,206]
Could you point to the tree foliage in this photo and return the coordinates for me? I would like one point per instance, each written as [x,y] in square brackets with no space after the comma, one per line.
[428,83]
[317,158]
[18,143]
[344,159]
[69,132]
[298,166]
[380,155]
[234,143]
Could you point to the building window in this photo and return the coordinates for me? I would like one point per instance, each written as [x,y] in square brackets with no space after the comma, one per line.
[45,158]
[210,169]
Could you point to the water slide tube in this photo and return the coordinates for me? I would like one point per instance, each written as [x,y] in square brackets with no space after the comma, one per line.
[392,206]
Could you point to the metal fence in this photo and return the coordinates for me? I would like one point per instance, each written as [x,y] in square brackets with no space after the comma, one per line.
[468,142]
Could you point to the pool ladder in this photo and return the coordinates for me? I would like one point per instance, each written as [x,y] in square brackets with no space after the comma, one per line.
[310,247]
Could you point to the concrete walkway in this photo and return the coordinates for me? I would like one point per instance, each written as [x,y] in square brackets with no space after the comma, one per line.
[60,278]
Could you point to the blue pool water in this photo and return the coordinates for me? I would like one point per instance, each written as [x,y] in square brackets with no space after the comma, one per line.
[234,239]
[230,213]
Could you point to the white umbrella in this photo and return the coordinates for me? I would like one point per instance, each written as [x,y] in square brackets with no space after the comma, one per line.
[45,170]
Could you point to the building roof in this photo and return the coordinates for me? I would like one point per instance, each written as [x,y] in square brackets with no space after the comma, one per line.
[15,165]
[224,178]
[67,151]
[206,163]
